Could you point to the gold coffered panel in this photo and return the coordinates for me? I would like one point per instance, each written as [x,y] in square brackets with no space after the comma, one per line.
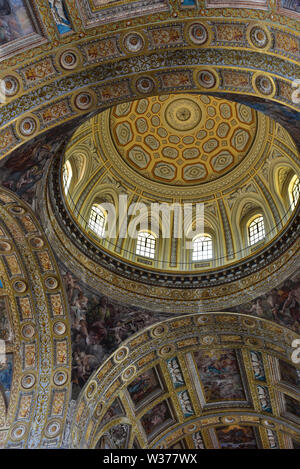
[183,139]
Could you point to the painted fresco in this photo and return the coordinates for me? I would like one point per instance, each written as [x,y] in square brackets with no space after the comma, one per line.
[220,375]
[264,398]
[175,372]
[15,21]
[117,437]
[289,373]
[144,387]
[5,327]
[157,418]
[292,406]
[6,376]
[236,437]
[293,5]
[185,403]
[281,304]
[98,326]
[114,411]
[188,3]
[258,366]
[60,15]
[25,167]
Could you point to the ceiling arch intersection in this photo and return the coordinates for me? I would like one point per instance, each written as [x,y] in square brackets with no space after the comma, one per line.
[180,401]
[92,76]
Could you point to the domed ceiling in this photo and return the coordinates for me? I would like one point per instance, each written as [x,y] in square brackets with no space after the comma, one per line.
[96,348]
[183,139]
[181,149]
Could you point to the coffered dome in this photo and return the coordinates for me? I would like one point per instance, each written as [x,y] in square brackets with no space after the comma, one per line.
[183,139]
[224,159]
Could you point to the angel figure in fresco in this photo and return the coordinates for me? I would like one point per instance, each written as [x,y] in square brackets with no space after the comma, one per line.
[103,309]
[257,308]
[175,371]
[292,302]
[273,299]
[71,284]
[60,15]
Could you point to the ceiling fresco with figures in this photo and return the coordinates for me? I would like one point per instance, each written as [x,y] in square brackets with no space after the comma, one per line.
[218,387]
[170,101]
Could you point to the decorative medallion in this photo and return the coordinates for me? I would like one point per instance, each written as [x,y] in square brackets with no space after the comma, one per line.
[60,378]
[229,420]
[98,410]
[198,33]
[166,350]
[69,59]
[51,283]
[91,389]
[5,246]
[145,85]
[20,286]
[190,428]
[249,323]
[264,85]
[59,328]
[84,101]
[207,79]
[9,86]
[28,331]
[53,429]
[183,114]
[28,126]
[18,431]
[159,331]
[128,373]
[133,42]
[258,37]
[207,340]
[16,210]
[37,242]
[28,381]
[121,354]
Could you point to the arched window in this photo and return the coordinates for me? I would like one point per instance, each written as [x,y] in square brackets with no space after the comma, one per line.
[146,244]
[294,191]
[202,247]
[97,221]
[256,230]
[67,176]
